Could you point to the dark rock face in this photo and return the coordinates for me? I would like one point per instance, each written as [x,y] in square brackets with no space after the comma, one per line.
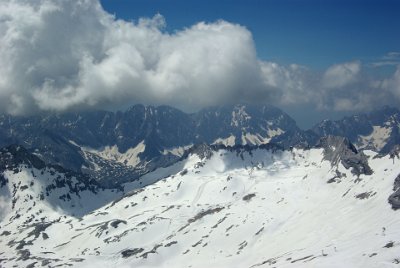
[13,156]
[395,152]
[354,127]
[248,197]
[131,252]
[202,150]
[220,122]
[394,199]
[296,138]
[339,149]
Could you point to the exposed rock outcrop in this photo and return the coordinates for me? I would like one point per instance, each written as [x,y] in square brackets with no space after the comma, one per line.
[341,150]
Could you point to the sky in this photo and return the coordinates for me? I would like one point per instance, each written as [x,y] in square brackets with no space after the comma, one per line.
[313,59]
[315,33]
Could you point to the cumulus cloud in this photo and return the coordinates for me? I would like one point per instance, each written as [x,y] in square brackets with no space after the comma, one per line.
[392,84]
[63,55]
[340,75]
[350,86]
[341,87]
[291,84]
[58,55]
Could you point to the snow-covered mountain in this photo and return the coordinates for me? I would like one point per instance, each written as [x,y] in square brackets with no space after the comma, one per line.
[217,206]
[378,130]
[125,145]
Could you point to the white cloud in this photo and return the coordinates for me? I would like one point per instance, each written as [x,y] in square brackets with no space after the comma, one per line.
[392,84]
[354,102]
[58,55]
[340,75]
[390,59]
[292,84]
[62,55]
[384,63]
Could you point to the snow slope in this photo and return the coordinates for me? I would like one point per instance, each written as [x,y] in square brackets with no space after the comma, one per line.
[129,158]
[377,139]
[238,208]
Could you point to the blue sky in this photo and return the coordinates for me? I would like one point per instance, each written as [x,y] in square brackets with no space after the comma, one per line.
[316,34]
[312,33]
[313,59]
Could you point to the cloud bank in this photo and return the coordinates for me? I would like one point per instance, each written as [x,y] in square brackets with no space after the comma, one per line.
[63,55]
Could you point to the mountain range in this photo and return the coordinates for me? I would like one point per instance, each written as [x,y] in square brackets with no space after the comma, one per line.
[231,186]
[125,145]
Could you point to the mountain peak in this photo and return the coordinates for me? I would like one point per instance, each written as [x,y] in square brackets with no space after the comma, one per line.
[378,130]
[340,149]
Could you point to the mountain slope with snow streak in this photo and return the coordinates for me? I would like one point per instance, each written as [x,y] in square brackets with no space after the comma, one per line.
[224,208]
[378,130]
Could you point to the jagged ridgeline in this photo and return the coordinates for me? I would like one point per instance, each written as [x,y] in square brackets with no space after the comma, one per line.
[116,147]
[125,145]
